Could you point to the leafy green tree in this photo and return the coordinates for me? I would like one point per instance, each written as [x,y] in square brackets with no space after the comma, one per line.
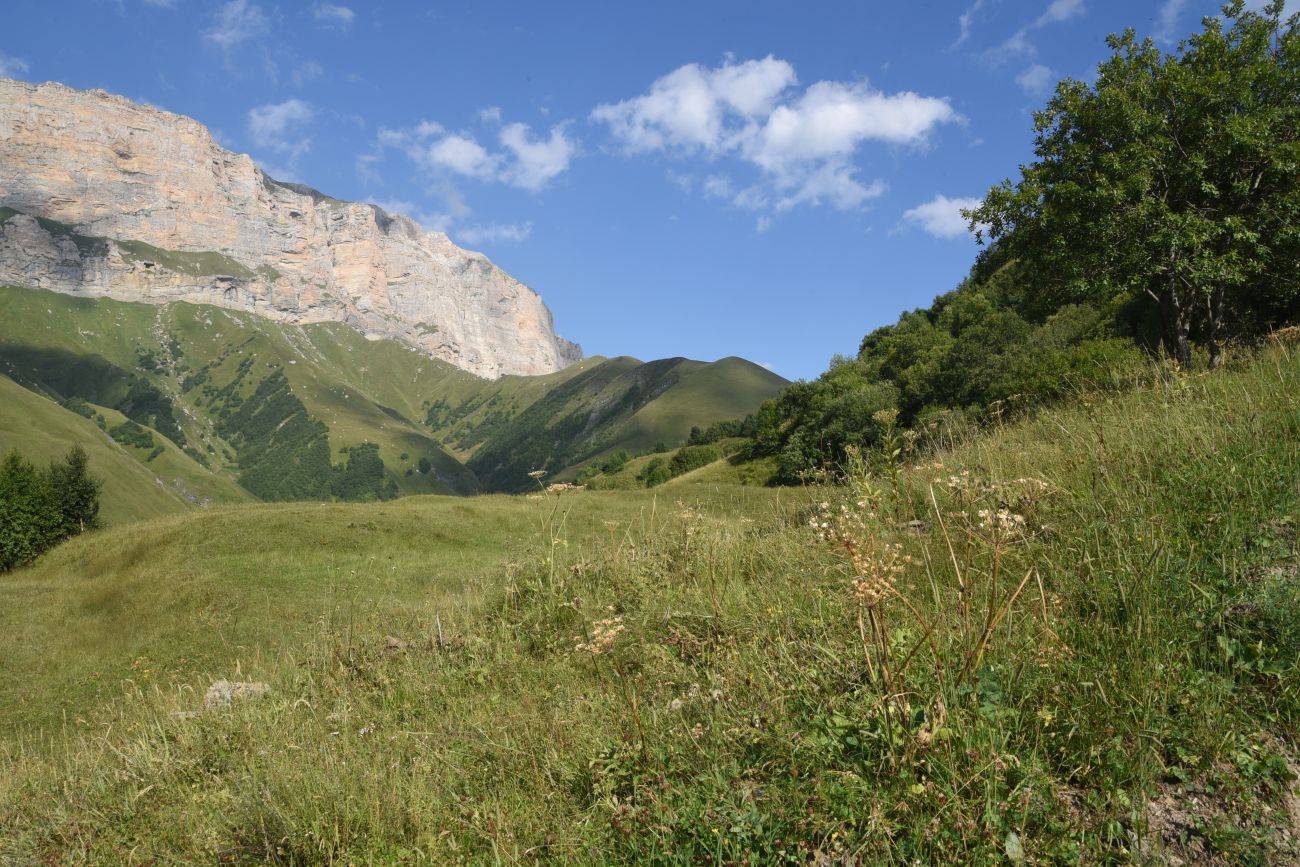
[1174,178]
[40,508]
[362,478]
[76,493]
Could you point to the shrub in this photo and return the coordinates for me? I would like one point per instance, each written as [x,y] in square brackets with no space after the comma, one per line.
[128,433]
[40,508]
[690,458]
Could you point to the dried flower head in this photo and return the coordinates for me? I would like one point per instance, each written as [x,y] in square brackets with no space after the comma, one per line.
[603,635]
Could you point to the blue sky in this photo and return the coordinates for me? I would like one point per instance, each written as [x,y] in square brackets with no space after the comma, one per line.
[763,179]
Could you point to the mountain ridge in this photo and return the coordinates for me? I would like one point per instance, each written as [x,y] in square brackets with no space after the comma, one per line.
[107,197]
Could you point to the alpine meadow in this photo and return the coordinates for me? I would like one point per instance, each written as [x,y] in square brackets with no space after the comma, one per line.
[320,545]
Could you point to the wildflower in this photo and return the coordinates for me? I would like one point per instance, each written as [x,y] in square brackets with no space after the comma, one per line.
[1002,521]
[603,635]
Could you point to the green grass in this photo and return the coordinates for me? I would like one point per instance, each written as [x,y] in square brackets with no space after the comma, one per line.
[1052,691]
[195,264]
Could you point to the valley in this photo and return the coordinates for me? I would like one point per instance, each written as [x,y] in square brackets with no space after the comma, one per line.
[246,407]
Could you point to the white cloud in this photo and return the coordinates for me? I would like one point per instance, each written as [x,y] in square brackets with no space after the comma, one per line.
[717,187]
[1036,80]
[966,22]
[941,216]
[331,15]
[1167,19]
[11,67]
[831,119]
[1019,44]
[536,162]
[494,233]
[442,158]
[462,155]
[833,184]
[160,4]
[688,109]
[235,22]
[524,161]
[278,127]
[1060,10]
[802,142]
[491,114]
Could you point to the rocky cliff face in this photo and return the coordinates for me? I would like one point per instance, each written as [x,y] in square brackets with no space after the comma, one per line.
[102,196]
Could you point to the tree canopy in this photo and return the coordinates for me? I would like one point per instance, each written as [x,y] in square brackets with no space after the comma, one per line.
[1173,179]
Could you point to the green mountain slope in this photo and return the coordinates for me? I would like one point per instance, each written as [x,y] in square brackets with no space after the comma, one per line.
[134,486]
[619,403]
[241,393]
[278,410]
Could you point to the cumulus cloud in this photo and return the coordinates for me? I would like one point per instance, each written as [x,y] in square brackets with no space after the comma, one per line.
[279,127]
[512,155]
[534,162]
[1036,80]
[235,22]
[462,155]
[693,108]
[11,67]
[523,160]
[802,142]
[494,233]
[941,216]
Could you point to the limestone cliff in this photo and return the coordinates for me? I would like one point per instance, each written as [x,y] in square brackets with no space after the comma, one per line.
[102,196]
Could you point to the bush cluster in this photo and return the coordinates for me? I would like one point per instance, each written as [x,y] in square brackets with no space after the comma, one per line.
[41,507]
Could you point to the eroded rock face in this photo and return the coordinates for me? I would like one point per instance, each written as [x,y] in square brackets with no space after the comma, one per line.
[142,205]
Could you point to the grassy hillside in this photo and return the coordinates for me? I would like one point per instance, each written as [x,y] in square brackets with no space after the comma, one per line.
[134,487]
[619,403]
[200,364]
[210,381]
[1072,639]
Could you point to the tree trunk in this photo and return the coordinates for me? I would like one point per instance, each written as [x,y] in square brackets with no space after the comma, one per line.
[1214,325]
[1177,326]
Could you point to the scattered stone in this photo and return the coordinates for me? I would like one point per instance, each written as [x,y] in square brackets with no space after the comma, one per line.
[224,693]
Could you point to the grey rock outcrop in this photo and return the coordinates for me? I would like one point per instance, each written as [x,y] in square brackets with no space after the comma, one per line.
[108,197]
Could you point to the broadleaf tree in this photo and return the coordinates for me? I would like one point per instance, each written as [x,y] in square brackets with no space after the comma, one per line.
[1172,180]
